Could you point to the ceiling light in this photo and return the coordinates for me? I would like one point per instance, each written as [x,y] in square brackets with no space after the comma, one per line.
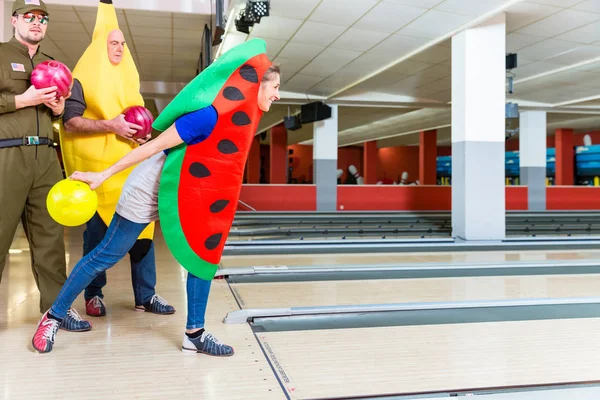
[256,9]
[252,14]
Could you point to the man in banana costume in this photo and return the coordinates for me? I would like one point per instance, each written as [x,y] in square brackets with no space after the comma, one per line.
[94,135]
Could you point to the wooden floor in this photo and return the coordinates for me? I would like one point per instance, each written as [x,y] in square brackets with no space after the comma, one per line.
[136,355]
[127,354]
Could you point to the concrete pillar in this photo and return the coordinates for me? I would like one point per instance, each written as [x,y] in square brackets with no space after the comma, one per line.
[564,157]
[427,157]
[532,157]
[279,154]
[370,162]
[478,125]
[325,155]
[253,163]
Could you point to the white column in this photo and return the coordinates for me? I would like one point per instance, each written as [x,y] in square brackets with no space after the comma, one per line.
[5,25]
[478,98]
[532,157]
[325,155]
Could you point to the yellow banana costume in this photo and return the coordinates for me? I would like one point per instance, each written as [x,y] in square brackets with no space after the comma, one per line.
[108,90]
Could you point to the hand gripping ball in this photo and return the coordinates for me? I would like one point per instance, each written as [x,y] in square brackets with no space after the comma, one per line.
[71,203]
[52,73]
[140,116]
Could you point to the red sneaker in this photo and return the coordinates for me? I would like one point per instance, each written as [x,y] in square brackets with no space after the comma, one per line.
[43,339]
[95,307]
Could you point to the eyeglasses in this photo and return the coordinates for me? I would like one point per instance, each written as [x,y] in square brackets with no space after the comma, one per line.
[30,17]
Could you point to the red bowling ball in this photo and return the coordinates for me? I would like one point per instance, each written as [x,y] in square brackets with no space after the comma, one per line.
[52,73]
[140,116]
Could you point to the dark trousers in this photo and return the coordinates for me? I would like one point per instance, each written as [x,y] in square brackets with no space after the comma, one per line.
[27,173]
[141,256]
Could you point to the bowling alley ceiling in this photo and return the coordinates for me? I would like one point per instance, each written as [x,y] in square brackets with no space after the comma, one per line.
[393,56]
[164,45]
[400,50]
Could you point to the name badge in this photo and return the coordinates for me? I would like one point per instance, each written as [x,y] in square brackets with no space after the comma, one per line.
[18,67]
[32,2]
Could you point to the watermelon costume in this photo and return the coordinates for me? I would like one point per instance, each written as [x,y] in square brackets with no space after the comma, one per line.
[200,183]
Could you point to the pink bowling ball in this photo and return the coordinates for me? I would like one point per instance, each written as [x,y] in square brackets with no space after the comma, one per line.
[52,73]
[140,116]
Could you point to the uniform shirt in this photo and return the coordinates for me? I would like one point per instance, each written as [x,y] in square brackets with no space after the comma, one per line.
[139,198]
[15,70]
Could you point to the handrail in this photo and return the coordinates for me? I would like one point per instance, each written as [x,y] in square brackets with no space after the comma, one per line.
[246,205]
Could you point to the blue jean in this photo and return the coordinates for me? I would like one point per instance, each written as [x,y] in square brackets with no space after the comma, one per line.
[141,254]
[118,240]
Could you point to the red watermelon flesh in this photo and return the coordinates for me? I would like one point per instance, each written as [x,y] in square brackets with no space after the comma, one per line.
[212,170]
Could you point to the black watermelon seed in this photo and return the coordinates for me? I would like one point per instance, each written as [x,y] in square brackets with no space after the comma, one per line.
[213,241]
[218,206]
[240,118]
[226,146]
[249,73]
[199,170]
[233,93]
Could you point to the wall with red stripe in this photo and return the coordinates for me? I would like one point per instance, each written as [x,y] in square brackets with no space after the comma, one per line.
[405,198]
[279,197]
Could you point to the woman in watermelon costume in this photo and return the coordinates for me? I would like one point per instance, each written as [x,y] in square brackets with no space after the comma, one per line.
[190,177]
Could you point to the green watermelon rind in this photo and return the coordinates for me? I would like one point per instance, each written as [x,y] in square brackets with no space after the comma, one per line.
[185,102]
[168,208]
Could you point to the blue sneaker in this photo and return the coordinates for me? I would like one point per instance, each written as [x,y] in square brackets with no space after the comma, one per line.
[74,323]
[206,344]
[157,305]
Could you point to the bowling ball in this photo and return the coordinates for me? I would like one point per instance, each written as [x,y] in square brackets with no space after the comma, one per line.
[52,73]
[71,203]
[140,116]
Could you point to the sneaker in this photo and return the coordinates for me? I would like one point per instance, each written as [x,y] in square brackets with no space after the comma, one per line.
[206,344]
[157,305]
[43,339]
[95,307]
[73,322]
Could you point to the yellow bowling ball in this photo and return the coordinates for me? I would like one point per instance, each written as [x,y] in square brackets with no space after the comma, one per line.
[72,203]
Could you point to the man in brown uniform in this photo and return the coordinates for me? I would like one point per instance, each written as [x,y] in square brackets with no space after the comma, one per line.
[29,165]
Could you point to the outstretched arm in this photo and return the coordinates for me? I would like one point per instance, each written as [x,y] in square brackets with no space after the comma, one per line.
[166,140]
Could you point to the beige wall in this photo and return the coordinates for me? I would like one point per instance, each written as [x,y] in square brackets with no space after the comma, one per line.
[5,26]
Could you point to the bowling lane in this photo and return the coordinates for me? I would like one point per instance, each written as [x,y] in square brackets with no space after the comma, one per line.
[317,259]
[405,360]
[397,258]
[386,291]
[340,236]
[412,235]
[395,227]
